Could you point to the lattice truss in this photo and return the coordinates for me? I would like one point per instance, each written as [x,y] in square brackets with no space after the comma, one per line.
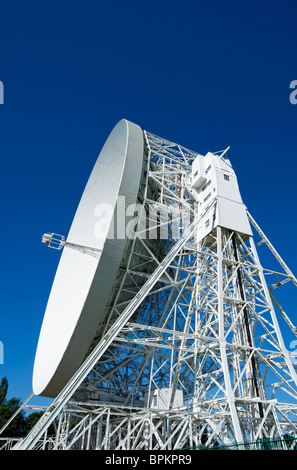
[190,351]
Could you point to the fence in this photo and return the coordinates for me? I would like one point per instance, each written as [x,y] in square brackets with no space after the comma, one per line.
[284,443]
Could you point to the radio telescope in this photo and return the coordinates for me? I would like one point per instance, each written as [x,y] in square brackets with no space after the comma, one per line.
[85,277]
[161,330]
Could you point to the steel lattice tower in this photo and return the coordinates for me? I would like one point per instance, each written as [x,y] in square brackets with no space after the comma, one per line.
[191,352]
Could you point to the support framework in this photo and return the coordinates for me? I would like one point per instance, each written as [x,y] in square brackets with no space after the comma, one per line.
[191,352]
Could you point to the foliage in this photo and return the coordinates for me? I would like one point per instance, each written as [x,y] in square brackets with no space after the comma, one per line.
[21,424]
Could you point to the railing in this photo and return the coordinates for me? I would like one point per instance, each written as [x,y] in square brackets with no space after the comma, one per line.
[285,443]
[6,443]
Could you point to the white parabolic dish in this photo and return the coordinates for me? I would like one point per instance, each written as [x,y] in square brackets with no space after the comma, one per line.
[83,282]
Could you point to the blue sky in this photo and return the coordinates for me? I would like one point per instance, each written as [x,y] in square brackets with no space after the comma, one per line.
[204,74]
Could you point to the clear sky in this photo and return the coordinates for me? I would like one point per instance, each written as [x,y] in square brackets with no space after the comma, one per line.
[203,74]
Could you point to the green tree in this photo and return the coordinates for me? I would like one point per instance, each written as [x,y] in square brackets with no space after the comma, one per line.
[18,427]
[3,390]
[21,424]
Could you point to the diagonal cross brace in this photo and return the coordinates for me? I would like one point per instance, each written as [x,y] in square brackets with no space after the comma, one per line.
[272,249]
